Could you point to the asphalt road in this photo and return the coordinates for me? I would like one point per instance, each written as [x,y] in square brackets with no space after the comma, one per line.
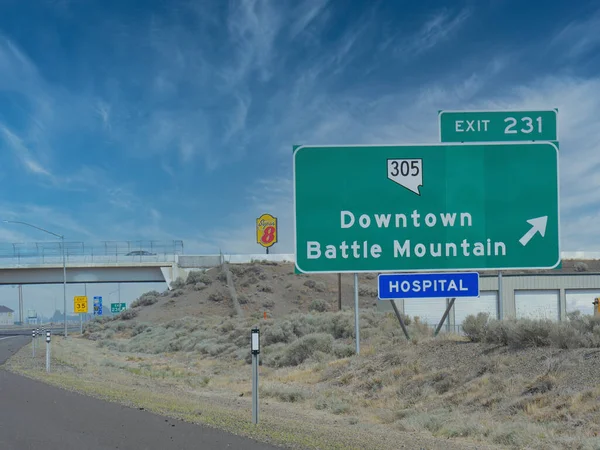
[34,415]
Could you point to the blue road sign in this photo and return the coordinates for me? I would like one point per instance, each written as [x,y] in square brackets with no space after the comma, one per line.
[428,285]
[98,305]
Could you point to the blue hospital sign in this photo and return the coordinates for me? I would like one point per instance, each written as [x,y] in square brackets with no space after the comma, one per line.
[428,285]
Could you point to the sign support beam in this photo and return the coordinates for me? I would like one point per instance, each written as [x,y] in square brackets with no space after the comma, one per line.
[356,315]
[448,308]
[400,320]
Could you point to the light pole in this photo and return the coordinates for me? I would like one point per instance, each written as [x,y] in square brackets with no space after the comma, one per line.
[62,238]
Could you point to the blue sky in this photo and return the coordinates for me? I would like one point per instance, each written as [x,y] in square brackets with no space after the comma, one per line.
[176,119]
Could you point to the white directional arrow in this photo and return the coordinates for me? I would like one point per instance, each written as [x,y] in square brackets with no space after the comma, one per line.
[537,224]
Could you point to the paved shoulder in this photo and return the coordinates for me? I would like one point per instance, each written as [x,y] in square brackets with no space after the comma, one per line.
[34,415]
[9,345]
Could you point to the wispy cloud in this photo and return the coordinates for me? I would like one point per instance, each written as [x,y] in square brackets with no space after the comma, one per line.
[253,27]
[47,217]
[237,118]
[579,38]
[307,13]
[103,110]
[440,27]
[23,153]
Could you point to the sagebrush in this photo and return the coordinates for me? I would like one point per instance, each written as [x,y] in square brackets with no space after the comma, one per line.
[578,331]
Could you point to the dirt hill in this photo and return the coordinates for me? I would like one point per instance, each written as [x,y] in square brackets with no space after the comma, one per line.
[260,287]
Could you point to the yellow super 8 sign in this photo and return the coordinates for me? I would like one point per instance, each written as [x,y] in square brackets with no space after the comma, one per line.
[80,304]
[266,230]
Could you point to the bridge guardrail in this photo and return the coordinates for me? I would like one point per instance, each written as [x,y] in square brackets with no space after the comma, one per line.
[105,252]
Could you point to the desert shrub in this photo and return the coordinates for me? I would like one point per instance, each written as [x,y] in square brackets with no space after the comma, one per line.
[474,326]
[342,326]
[367,291]
[583,323]
[497,332]
[310,283]
[222,277]
[177,293]
[140,328]
[146,299]
[200,286]
[268,303]
[279,332]
[237,270]
[532,333]
[318,305]
[283,393]
[302,349]
[580,266]
[254,269]
[242,299]
[578,331]
[318,286]
[198,276]
[343,350]
[519,333]
[265,288]
[117,325]
[128,314]
[217,296]
[178,283]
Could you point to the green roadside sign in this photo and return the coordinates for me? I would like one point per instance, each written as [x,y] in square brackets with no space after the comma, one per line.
[498,126]
[436,207]
[117,307]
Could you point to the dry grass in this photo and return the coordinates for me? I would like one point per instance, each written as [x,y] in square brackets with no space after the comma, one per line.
[440,387]
[209,391]
[525,385]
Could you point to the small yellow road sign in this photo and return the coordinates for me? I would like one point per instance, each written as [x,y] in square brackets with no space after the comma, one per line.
[81,304]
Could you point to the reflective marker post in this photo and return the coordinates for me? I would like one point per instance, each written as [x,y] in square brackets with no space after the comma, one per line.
[48,351]
[33,342]
[255,349]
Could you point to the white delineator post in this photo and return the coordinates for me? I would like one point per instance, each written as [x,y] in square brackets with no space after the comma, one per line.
[33,342]
[255,350]
[48,351]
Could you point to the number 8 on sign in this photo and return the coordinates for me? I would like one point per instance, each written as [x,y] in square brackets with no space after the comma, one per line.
[268,236]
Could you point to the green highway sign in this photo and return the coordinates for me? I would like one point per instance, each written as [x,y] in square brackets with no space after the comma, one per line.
[426,207]
[498,126]
[117,307]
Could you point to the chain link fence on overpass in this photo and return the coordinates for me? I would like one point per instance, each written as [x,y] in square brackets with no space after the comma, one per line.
[49,252]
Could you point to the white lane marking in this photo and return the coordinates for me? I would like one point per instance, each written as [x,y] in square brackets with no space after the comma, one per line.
[8,337]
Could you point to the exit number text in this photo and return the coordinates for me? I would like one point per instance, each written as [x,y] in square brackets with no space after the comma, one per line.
[498,126]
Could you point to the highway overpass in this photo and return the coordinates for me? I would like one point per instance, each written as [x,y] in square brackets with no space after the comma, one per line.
[106,262]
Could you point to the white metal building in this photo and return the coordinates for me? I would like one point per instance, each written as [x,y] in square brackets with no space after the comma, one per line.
[6,316]
[547,294]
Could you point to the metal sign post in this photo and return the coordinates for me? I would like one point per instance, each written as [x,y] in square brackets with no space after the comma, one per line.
[48,351]
[356,315]
[255,349]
